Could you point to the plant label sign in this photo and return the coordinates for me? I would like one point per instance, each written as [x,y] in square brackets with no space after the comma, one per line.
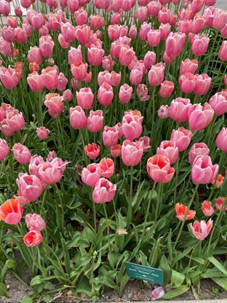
[145,273]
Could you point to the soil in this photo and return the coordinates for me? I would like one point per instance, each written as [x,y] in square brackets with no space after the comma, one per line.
[135,291]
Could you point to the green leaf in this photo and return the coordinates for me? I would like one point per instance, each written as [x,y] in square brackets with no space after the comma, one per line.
[105,280]
[218,265]
[176,292]
[221,282]
[3,290]
[177,278]
[84,287]
[27,300]
[224,187]
[37,280]
[212,273]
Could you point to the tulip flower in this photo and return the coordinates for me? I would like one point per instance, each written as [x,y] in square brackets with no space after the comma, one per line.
[104,191]
[159,169]
[11,211]
[183,213]
[35,222]
[92,150]
[33,238]
[91,174]
[201,229]
[207,208]
[203,171]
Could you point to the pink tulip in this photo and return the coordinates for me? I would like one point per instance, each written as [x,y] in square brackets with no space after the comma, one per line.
[21,35]
[95,121]
[131,152]
[197,149]
[221,203]
[106,166]
[115,150]
[200,116]
[63,43]
[156,74]
[136,75]
[9,77]
[199,44]
[164,15]
[201,229]
[85,98]
[67,95]
[6,47]
[174,44]
[4,8]
[144,29]
[157,293]
[62,82]
[202,84]
[115,78]
[96,21]
[182,137]
[11,211]
[35,81]
[187,83]
[126,55]
[95,56]
[219,103]
[221,140]
[50,77]
[34,55]
[8,34]
[42,132]
[223,51]
[46,45]
[83,33]
[37,20]
[78,118]
[35,222]
[154,37]
[198,24]
[92,150]
[203,171]
[54,103]
[131,127]
[159,169]
[29,186]
[132,32]
[110,135]
[51,172]
[4,149]
[220,19]
[197,5]
[153,8]
[179,109]
[35,161]
[141,14]
[188,66]
[168,149]
[33,238]
[125,93]
[79,71]
[21,153]
[105,94]
[166,89]
[80,17]
[91,174]
[75,55]
[149,59]
[104,191]
[107,63]
[207,208]
[142,92]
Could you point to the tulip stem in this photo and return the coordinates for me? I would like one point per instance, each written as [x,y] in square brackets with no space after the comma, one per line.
[159,205]
[129,214]
[183,222]
[107,225]
[148,208]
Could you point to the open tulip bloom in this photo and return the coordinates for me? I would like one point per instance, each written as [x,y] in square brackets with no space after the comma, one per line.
[113,143]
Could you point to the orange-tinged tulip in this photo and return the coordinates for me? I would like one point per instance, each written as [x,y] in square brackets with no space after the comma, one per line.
[183,213]
[11,211]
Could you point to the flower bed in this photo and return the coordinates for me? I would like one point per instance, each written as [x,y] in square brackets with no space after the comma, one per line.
[113,143]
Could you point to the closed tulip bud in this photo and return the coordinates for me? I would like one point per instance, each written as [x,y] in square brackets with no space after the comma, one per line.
[223,51]
[95,121]
[201,229]
[11,211]
[197,149]
[35,222]
[91,174]
[67,95]
[200,116]
[92,150]
[159,169]
[78,118]
[104,191]
[182,137]
[153,8]
[156,74]
[149,59]
[8,34]
[132,32]
[136,75]
[33,238]
[154,37]
[131,152]
[220,19]
[221,140]
[168,149]
[126,55]
[203,171]
[144,29]
[4,149]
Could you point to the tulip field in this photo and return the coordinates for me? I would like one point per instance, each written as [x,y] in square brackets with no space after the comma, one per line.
[113,142]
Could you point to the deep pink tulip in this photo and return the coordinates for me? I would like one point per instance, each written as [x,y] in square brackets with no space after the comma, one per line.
[203,171]
[11,211]
[95,121]
[179,109]
[4,8]
[219,102]
[54,103]
[201,229]
[29,186]
[168,149]
[131,152]
[104,191]
[37,20]
[154,37]
[221,140]
[200,116]
[6,47]
[106,166]
[223,51]
[166,89]
[220,204]
[96,21]
[182,137]
[35,82]
[207,208]
[33,238]
[110,135]
[80,16]
[159,169]
[4,149]
[105,94]
[197,5]
[156,74]
[21,35]
[35,222]
[73,5]
[34,55]
[21,153]
[188,66]
[132,32]
[83,33]
[42,132]
[8,33]
[197,149]
[85,97]
[185,26]
[91,174]
[78,118]
[92,150]
[153,8]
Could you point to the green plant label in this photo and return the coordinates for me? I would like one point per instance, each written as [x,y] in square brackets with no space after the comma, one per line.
[145,273]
